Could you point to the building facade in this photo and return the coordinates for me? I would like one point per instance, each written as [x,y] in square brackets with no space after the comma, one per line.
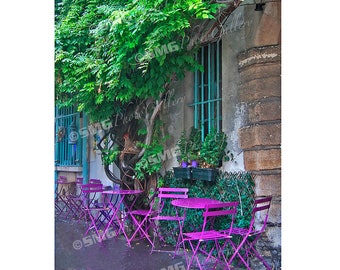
[239,92]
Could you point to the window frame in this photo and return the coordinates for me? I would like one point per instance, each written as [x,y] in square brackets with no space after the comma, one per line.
[207,102]
[67,154]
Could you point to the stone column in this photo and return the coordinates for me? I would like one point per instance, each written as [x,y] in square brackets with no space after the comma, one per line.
[260,138]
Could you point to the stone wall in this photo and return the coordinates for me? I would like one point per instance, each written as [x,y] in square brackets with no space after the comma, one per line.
[260,137]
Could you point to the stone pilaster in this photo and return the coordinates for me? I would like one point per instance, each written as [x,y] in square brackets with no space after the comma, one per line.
[260,137]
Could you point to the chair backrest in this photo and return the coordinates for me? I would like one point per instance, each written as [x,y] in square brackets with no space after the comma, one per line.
[62,179]
[89,193]
[91,188]
[95,181]
[261,207]
[166,193]
[224,209]
[173,193]
[79,180]
[60,190]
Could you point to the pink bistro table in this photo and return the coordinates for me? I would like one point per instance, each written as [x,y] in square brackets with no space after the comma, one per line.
[191,203]
[117,206]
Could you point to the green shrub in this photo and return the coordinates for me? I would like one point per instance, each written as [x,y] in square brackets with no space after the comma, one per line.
[229,186]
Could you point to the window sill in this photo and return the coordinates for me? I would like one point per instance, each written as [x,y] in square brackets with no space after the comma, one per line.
[69,168]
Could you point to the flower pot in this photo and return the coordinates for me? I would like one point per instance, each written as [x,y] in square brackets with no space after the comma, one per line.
[194,163]
[184,173]
[207,174]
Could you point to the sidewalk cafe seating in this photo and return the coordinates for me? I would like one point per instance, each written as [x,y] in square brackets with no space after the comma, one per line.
[118,213]
[63,205]
[141,219]
[59,203]
[168,214]
[78,200]
[94,210]
[75,200]
[249,236]
[208,240]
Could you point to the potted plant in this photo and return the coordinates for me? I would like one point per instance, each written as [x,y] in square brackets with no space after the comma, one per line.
[183,171]
[212,153]
[188,153]
[194,145]
[183,150]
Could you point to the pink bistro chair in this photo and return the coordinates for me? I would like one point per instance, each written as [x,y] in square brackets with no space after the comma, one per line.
[93,209]
[75,199]
[141,219]
[166,194]
[219,238]
[249,236]
[59,198]
[63,205]
[85,199]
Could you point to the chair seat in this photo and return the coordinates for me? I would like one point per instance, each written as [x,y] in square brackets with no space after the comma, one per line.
[168,213]
[206,235]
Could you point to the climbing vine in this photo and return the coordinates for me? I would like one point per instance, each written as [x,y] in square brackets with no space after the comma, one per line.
[119,56]
[110,52]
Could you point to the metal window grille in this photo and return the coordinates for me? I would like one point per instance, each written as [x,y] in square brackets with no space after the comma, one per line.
[68,143]
[208,89]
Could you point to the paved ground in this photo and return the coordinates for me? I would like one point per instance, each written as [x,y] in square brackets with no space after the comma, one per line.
[73,251]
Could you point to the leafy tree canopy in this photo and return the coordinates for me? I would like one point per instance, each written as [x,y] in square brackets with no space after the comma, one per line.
[109,53]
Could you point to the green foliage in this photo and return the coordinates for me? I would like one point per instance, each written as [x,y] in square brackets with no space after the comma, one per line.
[229,186]
[109,155]
[151,162]
[111,52]
[195,143]
[183,148]
[188,148]
[213,149]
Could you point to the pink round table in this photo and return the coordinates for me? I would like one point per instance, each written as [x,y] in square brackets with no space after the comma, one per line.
[194,203]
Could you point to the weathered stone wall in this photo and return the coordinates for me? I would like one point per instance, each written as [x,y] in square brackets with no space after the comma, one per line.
[260,137]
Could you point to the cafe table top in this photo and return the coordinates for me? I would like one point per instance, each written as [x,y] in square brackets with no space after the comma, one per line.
[194,203]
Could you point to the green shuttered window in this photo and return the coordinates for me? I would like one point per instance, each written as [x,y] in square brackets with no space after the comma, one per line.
[68,142]
[208,89]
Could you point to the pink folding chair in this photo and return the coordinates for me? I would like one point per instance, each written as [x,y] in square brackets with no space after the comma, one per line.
[75,199]
[199,240]
[92,208]
[249,236]
[82,200]
[141,219]
[59,203]
[63,205]
[168,214]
